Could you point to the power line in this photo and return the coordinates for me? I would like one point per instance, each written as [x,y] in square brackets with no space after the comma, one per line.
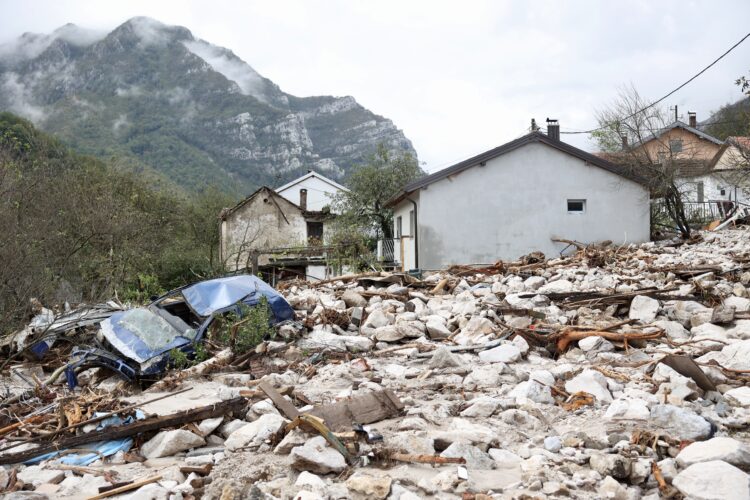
[673,91]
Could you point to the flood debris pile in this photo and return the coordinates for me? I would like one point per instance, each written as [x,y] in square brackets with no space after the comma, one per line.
[615,372]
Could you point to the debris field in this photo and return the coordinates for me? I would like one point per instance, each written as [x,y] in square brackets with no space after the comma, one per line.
[612,372]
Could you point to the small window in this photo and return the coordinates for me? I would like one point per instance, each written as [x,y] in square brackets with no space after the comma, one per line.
[399,227]
[699,189]
[723,191]
[675,145]
[412,223]
[576,206]
[314,233]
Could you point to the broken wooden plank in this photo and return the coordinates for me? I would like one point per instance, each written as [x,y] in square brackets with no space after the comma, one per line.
[128,487]
[202,470]
[426,459]
[286,407]
[365,409]
[121,431]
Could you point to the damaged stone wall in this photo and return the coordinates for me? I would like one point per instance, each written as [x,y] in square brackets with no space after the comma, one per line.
[266,221]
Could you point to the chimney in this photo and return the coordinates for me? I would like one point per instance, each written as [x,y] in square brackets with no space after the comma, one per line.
[692,119]
[553,129]
[303,199]
[624,142]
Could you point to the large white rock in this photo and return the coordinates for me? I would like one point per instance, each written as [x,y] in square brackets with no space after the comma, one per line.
[595,344]
[643,309]
[476,331]
[209,425]
[321,339]
[559,286]
[680,423]
[536,389]
[377,319]
[739,396]
[443,358]
[590,381]
[627,409]
[357,343]
[318,457]
[481,407]
[256,432]
[534,283]
[714,480]
[367,486]
[35,475]
[740,304]
[505,353]
[167,443]
[475,458]
[673,329]
[437,330]
[725,449]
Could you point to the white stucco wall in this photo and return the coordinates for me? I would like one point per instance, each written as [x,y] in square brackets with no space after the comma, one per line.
[736,186]
[319,193]
[517,202]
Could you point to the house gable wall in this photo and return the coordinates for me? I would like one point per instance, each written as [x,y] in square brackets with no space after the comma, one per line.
[319,193]
[260,225]
[517,202]
[693,147]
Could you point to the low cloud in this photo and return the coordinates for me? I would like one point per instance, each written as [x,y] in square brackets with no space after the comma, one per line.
[30,45]
[231,66]
[120,122]
[150,31]
[19,99]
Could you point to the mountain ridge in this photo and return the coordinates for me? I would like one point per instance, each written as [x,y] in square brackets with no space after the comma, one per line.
[157,96]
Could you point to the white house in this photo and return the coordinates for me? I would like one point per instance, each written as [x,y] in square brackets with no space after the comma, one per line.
[726,177]
[514,199]
[317,190]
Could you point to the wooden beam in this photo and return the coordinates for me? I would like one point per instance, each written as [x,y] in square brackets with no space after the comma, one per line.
[286,407]
[128,487]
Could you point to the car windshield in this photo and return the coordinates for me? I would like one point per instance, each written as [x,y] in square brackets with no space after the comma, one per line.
[141,333]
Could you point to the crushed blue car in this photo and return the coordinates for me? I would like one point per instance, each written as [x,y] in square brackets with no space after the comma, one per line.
[136,343]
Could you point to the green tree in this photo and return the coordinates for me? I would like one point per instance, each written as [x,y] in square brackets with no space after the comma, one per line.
[371,186]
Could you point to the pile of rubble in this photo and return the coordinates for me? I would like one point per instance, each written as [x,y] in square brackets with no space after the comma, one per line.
[615,372]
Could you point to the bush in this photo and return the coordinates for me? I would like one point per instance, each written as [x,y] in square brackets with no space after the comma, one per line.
[244,331]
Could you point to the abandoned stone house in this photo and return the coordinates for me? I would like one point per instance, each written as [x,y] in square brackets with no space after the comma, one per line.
[515,199]
[278,232]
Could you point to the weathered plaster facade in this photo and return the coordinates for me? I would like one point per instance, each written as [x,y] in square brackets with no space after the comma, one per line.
[264,221]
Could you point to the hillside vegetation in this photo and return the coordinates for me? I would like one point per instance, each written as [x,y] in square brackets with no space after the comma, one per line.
[74,228]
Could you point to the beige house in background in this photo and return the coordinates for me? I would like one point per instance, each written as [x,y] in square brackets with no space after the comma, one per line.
[682,141]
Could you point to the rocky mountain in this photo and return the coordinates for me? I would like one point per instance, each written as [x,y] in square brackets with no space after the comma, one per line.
[155,96]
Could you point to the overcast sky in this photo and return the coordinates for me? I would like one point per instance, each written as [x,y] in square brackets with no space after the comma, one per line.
[457,77]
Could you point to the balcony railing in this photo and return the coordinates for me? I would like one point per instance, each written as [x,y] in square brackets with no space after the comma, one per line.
[701,212]
[387,250]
